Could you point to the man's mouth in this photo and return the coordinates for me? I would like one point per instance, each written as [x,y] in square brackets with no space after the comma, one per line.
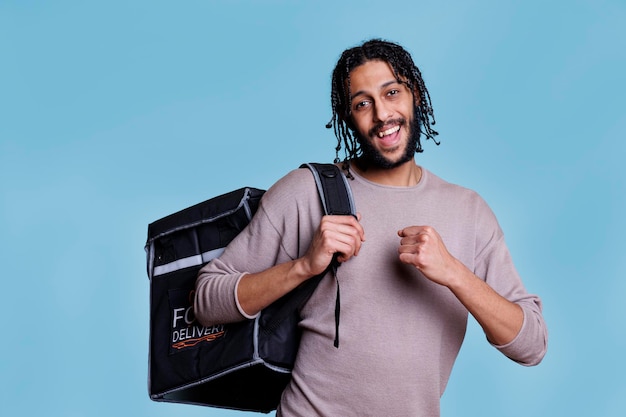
[389,131]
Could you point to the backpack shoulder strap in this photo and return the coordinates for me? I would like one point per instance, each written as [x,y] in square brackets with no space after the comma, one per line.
[333,188]
[336,197]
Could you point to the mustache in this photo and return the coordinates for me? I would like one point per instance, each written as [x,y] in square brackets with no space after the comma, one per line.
[380,125]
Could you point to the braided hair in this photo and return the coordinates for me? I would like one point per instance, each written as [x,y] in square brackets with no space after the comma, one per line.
[406,72]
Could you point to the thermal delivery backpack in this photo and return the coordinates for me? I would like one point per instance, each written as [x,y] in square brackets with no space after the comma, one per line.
[243,365]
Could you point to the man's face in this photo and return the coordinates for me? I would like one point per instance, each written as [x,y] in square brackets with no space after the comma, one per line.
[382,115]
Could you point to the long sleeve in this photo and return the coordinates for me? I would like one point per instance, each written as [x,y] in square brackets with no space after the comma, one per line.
[495,265]
[280,231]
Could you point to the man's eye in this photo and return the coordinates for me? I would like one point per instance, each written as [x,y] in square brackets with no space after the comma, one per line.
[360,105]
[393,92]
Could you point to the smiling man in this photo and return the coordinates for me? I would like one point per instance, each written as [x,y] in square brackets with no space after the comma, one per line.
[377,98]
[420,256]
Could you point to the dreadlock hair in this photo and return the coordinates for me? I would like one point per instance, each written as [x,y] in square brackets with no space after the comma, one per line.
[405,71]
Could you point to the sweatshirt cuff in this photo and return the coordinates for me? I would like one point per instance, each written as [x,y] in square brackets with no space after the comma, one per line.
[241,311]
[529,345]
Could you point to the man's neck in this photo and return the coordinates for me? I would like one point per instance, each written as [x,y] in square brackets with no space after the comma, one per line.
[406,175]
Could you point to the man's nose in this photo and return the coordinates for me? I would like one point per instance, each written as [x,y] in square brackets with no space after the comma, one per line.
[382,112]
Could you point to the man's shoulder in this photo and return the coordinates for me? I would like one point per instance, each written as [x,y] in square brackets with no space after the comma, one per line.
[455,194]
[465,202]
[293,181]
[296,185]
[436,182]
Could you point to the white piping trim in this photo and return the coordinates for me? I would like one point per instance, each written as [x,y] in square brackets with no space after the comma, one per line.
[187,262]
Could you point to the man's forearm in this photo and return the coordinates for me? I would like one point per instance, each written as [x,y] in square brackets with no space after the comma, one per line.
[500,318]
[259,290]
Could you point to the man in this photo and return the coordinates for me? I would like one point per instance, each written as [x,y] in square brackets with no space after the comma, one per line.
[419,256]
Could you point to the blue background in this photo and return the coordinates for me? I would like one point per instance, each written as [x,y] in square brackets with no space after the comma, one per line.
[114,114]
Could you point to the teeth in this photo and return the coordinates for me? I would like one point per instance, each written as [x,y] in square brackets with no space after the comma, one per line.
[388,131]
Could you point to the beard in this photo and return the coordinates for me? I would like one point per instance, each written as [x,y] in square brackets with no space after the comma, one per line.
[374,158]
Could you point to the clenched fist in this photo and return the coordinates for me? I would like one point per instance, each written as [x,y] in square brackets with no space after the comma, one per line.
[422,247]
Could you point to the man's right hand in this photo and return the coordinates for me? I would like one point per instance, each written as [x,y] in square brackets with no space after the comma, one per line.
[341,235]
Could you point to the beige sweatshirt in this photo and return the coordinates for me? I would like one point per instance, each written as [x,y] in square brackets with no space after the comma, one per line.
[399,332]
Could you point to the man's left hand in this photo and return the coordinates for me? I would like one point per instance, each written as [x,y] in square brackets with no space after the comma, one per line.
[422,247]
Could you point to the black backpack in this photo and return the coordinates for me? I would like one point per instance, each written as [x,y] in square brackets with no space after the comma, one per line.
[244,365]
